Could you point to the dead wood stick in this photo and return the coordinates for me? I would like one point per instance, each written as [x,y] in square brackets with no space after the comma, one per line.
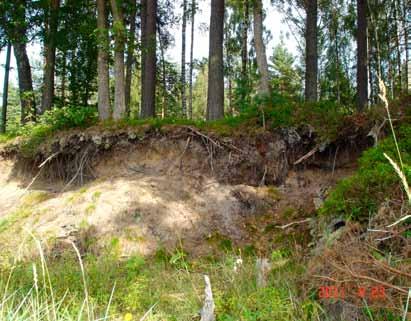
[294,223]
[41,166]
[308,155]
[48,159]
[207,312]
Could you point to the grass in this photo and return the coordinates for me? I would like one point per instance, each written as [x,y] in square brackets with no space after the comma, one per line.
[88,287]
[171,282]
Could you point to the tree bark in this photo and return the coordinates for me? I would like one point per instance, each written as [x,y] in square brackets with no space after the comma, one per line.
[264,86]
[244,41]
[27,99]
[398,46]
[311,52]
[119,110]
[3,123]
[193,13]
[102,62]
[362,59]
[130,56]
[164,74]
[183,61]
[63,80]
[215,95]
[406,41]
[149,66]
[50,56]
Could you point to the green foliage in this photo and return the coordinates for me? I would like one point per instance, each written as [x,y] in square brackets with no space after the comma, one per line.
[69,117]
[286,78]
[375,181]
[325,116]
[51,121]
[141,283]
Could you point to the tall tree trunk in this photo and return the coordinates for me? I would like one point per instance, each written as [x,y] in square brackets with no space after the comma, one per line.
[215,94]
[164,74]
[27,99]
[149,66]
[130,55]
[244,42]
[264,86]
[183,60]
[119,110]
[50,56]
[3,123]
[311,52]
[362,72]
[370,68]
[398,46]
[193,13]
[407,79]
[102,62]
[63,79]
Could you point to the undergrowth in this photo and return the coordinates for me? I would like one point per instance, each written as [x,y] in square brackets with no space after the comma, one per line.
[359,196]
[279,111]
[170,283]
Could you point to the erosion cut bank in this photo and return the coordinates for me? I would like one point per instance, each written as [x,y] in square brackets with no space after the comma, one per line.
[151,187]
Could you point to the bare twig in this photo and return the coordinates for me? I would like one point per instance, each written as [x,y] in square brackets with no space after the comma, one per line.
[294,223]
[308,155]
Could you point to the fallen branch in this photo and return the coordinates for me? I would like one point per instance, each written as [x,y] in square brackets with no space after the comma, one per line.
[308,155]
[294,223]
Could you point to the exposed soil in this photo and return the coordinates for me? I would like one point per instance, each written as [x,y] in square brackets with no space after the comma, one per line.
[177,186]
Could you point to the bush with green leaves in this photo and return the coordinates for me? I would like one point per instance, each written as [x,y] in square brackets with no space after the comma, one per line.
[375,181]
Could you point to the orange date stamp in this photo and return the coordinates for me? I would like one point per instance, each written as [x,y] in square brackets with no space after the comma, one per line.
[335,292]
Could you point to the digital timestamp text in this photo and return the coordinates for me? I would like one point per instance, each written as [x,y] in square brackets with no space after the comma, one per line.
[335,292]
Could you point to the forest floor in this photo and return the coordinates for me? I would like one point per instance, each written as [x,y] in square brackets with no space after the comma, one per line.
[153,209]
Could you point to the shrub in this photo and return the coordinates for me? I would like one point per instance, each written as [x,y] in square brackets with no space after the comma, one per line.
[375,180]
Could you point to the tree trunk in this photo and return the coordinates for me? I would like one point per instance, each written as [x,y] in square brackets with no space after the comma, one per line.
[311,52]
[50,56]
[102,62]
[148,40]
[264,86]
[406,41]
[130,56]
[193,13]
[215,95]
[370,68]
[398,46]
[183,60]
[164,74]
[244,41]
[362,72]
[63,80]
[27,99]
[119,110]
[5,90]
